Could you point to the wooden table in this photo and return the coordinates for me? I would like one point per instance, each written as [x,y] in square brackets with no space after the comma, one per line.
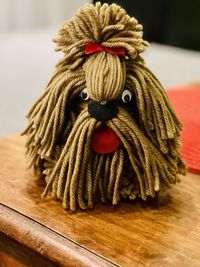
[40,233]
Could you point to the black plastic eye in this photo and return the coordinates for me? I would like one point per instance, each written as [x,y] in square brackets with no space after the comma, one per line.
[126,96]
[84,94]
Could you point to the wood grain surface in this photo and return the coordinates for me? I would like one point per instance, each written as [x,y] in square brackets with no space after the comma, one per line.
[14,254]
[128,235]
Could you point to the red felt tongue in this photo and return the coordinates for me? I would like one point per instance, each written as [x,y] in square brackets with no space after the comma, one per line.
[105,140]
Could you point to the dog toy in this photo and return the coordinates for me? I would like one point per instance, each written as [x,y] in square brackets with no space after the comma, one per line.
[104,129]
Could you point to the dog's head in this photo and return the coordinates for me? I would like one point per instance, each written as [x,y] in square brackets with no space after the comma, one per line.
[104,127]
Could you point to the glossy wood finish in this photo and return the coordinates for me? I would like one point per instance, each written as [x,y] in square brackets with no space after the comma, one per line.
[14,254]
[45,242]
[128,235]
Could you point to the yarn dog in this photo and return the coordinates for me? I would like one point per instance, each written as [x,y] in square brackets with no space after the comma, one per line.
[104,129]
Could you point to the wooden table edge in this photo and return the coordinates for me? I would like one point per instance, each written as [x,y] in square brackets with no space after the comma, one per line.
[47,242]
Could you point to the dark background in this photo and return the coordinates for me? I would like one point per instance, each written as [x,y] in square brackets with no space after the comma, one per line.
[172,22]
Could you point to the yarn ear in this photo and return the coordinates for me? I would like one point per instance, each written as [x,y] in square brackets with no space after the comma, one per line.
[156,115]
[49,114]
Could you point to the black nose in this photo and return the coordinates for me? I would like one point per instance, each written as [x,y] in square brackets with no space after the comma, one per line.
[102,112]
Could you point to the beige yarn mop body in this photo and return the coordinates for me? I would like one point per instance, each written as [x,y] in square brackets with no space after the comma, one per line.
[104,129]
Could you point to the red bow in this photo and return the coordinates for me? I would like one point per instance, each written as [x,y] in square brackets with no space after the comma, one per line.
[93,47]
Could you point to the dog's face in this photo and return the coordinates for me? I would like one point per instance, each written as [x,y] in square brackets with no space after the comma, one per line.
[104,128]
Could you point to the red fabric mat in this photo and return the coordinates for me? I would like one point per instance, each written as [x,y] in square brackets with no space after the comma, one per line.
[186,102]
